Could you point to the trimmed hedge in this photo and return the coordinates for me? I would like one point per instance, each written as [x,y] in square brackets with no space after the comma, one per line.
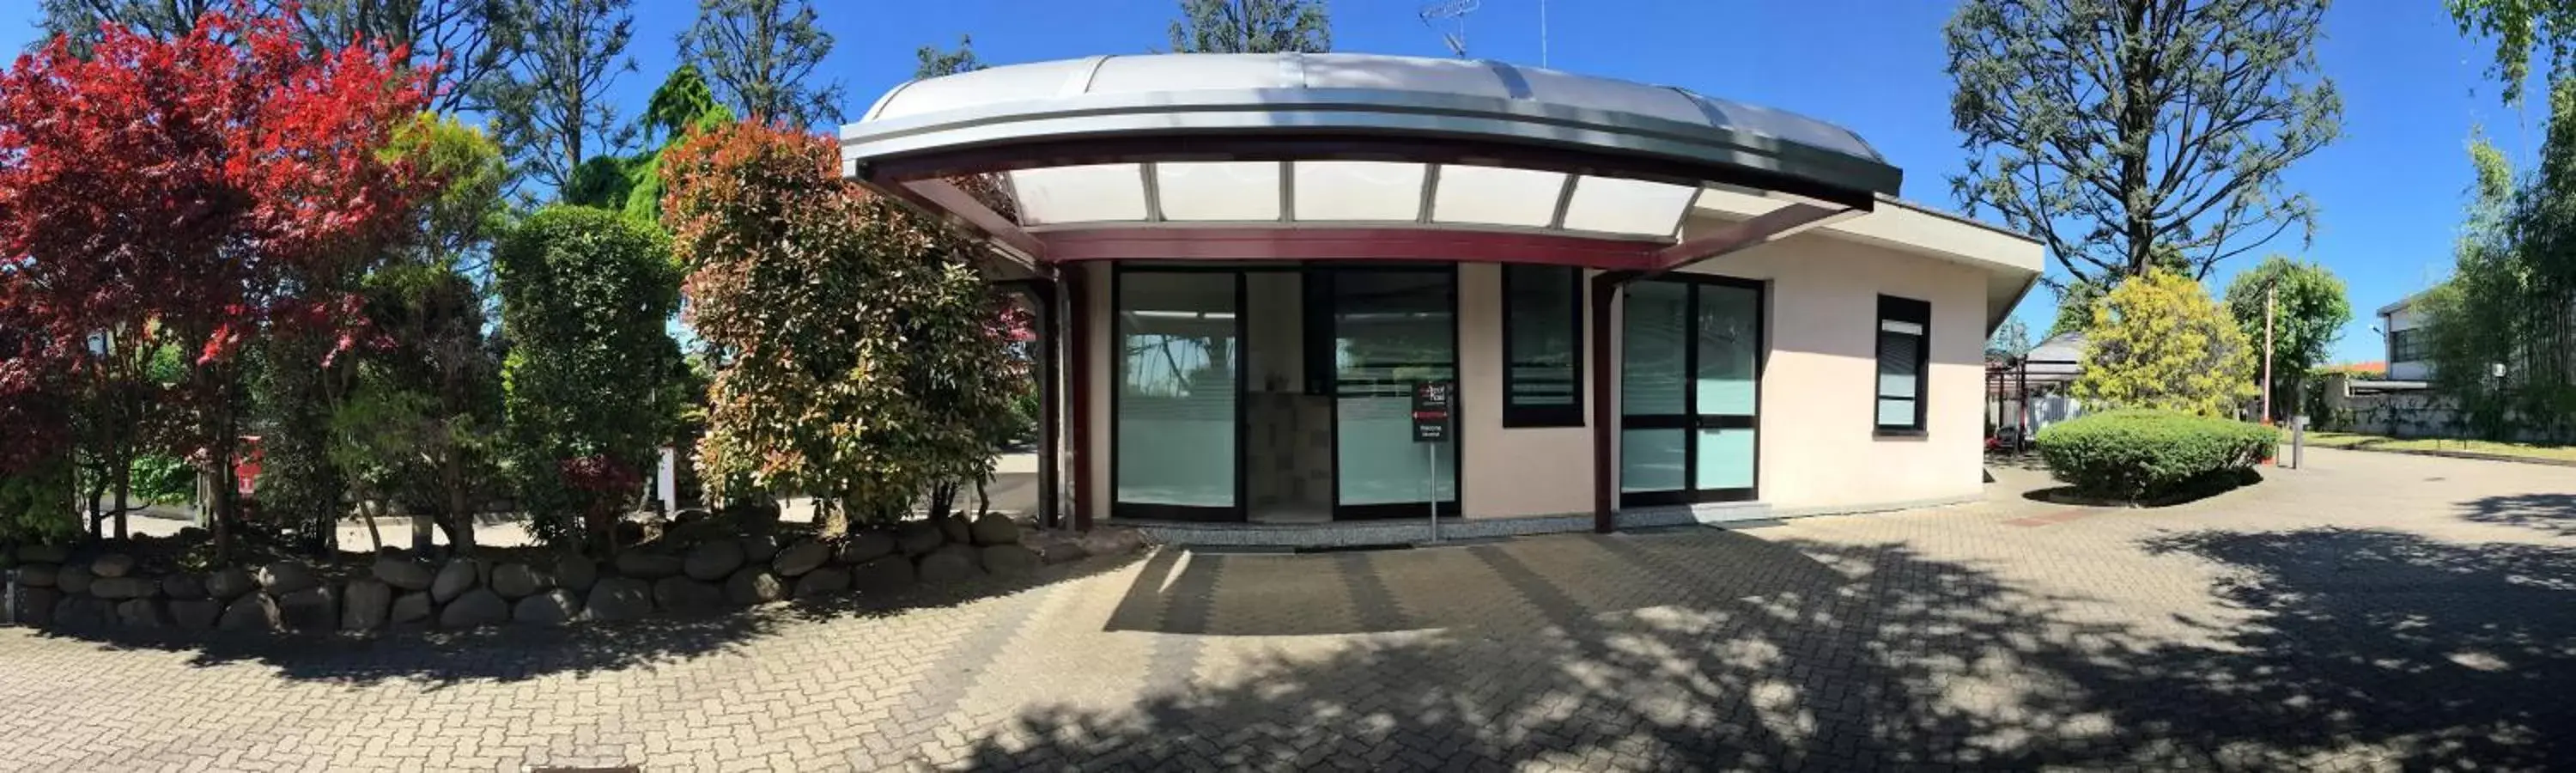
[2144,455]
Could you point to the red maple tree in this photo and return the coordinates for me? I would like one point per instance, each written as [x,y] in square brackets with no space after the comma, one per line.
[197,192]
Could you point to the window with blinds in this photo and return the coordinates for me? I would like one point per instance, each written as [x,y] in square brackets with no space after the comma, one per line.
[1542,346]
[1904,363]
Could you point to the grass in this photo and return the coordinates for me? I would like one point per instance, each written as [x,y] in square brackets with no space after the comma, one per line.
[2378,443]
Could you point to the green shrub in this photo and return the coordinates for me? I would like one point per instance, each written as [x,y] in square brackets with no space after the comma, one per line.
[2144,454]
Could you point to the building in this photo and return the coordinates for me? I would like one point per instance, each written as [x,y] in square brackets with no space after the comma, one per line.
[2403,324]
[1656,307]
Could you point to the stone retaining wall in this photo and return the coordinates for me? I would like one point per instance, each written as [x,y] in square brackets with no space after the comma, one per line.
[53,587]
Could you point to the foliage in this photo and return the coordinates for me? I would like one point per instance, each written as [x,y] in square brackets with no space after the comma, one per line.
[2145,455]
[2011,339]
[1252,27]
[2158,341]
[2110,127]
[2518,27]
[551,110]
[163,479]
[36,502]
[79,22]
[2309,311]
[935,62]
[197,192]
[633,184]
[860,356]
[759,54]
[2074,307]
[584,296]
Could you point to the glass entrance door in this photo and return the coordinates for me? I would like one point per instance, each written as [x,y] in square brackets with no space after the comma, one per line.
[1389,329]
[1689,392]
[1180,366]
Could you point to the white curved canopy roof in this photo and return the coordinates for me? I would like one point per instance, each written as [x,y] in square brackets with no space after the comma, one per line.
[1351,139]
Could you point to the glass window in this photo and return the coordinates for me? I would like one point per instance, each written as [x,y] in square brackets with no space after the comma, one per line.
[2406,346]
[1179,349]
[1542,346]
[1391,329]
[1904,362]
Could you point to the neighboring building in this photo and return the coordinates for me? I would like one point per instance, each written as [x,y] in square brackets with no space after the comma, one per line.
[2403,323]
[1657,307]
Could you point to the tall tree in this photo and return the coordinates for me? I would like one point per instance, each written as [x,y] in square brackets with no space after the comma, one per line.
[632,184]
[936,61]
[759,55]
[2508,301]
[78,22]
[2110,128]
[2308,313]
[1252,27]
[551,111]
[195,193]
[471,42]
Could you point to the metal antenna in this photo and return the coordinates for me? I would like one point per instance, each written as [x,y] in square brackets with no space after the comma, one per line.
[1453,14]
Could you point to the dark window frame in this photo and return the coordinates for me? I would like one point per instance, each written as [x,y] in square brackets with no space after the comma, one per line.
[2406,345]
[1566,415]
[1895,309]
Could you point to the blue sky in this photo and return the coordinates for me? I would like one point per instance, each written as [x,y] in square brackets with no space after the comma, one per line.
[2390,190]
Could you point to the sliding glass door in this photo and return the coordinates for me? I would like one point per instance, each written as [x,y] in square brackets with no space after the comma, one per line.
[1180,349]
[1689,397]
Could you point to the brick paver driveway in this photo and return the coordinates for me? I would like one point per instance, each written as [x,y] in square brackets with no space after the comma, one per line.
[2373,611]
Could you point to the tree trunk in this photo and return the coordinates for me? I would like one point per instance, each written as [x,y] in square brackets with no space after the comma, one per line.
[451,480]
[124,475]
[374,536]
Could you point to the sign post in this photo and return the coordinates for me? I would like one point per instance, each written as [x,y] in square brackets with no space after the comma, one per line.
[1433,404]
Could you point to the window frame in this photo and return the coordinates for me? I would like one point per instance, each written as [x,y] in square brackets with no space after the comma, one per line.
[1570,414]
[2406,345]
[1906,310]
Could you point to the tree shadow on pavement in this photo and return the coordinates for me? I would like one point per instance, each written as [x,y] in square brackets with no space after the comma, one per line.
[2320,648]
[514,653]
[2553,513]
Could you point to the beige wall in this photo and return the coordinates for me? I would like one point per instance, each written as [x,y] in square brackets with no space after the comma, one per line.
[1516,471]
[1818,445]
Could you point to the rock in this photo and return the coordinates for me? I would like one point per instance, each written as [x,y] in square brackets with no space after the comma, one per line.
[454,579]
[122,588]
[477,607]
[38,575]
[42,555]
[685,596]
[254,612]
[949,564]
[576,573]
[141,613]
[515,581]
[112,565]
[1062,552]
[804,556]
[759,548]
[996,529]
[917,538]
[822,582]
[310,609]
[552,608]
[81,613]
[1112,542]
[196,614]
[1009,560]
[619,598]
[647,565]
[366,605]
[184,586]
[887,574]
[35,606]
[74,580]
[285,577]
[956,529]
[404,573]
[410,609]
[714,560]
[866,546]
[229,583]
[753,585]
